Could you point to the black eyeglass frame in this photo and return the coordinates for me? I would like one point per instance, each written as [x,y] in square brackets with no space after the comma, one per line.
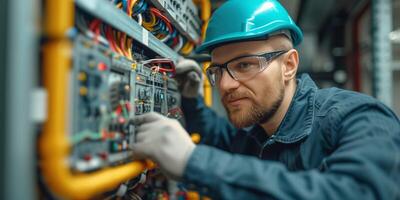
[268,56]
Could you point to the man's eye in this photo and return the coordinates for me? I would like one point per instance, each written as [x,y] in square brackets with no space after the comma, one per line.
[244,65]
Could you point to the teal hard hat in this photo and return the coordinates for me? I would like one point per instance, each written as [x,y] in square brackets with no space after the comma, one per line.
[241,20]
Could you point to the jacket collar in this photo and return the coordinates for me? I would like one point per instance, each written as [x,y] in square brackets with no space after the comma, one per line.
[299,118]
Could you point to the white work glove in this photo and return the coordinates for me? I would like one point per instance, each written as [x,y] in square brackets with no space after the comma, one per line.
[189,77]
[163,141]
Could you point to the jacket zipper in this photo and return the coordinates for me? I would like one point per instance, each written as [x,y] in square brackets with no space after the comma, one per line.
[269,142]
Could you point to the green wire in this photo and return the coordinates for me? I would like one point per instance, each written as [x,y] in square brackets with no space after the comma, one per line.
[86,134]
[124,111]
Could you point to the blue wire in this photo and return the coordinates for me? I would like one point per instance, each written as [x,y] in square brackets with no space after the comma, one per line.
[125,5]
[137,7]
[116,1]
[170,42]
[140,8]
[102,29]
[145,6]
[158,26]
[146,17]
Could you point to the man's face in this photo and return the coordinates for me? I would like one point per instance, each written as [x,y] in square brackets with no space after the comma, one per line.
[255,100]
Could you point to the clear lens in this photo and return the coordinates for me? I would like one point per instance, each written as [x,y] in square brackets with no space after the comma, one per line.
[240,69]
[213,74]
[246,67]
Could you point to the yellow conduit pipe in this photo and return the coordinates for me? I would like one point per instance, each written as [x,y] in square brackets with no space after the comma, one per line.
[205,7]
[207,87]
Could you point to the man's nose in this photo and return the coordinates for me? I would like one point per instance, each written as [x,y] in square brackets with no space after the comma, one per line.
[227,83]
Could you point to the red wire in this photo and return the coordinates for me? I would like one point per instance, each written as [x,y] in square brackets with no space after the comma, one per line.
[95,28]
[128,106]
[118,110]
[166,70]
[110,39]
[113,35]
[176,41]
[127,8]
[165,19]
[95,23]
[122,45]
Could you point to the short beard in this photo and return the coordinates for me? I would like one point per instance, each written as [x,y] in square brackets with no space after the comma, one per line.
[257,114]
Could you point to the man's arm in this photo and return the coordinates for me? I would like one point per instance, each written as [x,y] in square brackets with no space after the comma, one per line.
[365,165]
[214,130]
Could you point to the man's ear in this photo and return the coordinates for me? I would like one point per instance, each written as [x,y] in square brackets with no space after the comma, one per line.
[290,65]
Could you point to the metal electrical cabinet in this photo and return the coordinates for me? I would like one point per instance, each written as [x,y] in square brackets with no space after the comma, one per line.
[77,75]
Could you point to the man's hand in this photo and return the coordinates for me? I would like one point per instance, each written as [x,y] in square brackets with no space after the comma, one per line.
[164,141]
[189,77]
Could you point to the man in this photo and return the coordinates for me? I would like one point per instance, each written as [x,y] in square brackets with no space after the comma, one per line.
[288,139]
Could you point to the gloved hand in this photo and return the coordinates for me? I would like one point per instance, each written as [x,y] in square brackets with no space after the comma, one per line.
[163,141]
[189,77]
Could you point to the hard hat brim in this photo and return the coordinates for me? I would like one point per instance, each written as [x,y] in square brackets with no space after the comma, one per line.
[257,34]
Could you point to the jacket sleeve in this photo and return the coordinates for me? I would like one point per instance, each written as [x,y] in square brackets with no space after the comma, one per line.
[214,130]
[365,165]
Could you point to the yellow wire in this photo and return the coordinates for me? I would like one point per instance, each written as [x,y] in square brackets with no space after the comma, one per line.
[117,44]
[124,38]
[130,10]
[150,25]
[149,28]
[161,36]
[119,5]
[129,46]
[187,48]
[205,14]
[190,49]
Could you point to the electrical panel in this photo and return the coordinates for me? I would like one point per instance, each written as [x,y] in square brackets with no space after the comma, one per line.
[107,91]
[122,65]
[174,22]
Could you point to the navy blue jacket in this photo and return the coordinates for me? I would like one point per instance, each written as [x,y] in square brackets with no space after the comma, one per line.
[331,144]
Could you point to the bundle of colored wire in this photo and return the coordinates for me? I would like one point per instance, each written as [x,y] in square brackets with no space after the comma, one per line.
[83,27]
[160,30]
[156,25]
[110,38]
[163,65]
[119,42]
[117,47]
[134,8]
[121,37]
[154,21]
[163,17]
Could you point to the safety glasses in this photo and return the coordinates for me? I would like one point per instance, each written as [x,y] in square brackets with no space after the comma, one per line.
[242,68]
